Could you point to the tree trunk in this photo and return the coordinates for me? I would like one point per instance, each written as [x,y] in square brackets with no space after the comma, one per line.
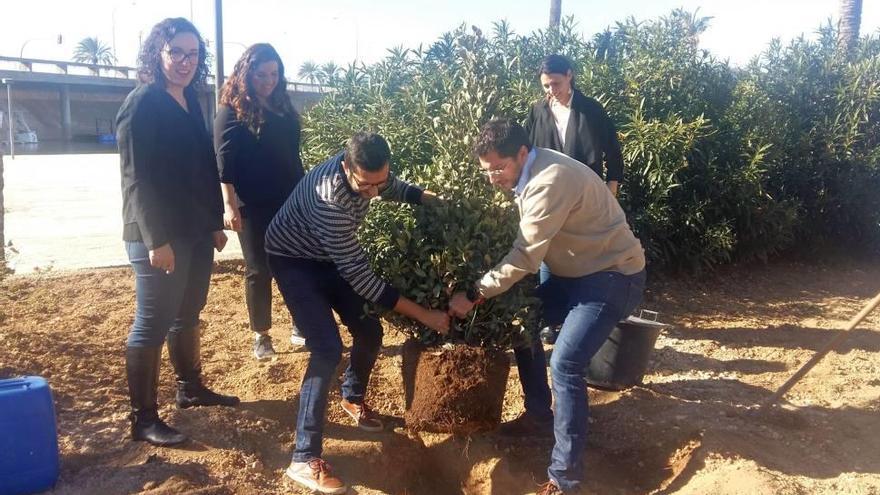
[556,13]
[850,21]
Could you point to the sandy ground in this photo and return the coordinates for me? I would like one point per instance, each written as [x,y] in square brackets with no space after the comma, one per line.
[736,336]
[64,212]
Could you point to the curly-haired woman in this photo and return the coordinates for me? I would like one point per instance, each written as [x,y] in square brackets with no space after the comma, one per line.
[257,141]
[173,220]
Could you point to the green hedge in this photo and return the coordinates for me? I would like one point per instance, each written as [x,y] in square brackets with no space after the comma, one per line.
[723,163]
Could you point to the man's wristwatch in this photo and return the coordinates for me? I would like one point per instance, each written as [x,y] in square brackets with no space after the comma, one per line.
[473,295]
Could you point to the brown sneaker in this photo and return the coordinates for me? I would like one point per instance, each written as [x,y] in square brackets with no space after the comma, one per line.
[549,488]
[526,425]
[315,475]
[363,416]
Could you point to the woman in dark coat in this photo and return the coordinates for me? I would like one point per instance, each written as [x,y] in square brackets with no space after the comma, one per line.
[257,141]
[173,221]
[567,121]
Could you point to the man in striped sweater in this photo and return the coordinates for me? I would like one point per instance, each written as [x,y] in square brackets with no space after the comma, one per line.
[320,268]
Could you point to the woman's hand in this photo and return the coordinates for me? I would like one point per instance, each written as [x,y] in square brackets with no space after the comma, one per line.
[231,219]
[163,258]
[219,240]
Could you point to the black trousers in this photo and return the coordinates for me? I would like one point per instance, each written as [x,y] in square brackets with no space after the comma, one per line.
[258,279]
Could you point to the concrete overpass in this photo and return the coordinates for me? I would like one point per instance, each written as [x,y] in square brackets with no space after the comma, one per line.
[71,101]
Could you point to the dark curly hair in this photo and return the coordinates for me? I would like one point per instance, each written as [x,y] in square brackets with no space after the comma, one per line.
[238,91]
[503,136]
[150,58]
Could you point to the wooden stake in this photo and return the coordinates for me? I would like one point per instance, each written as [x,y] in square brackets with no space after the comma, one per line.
[822,352]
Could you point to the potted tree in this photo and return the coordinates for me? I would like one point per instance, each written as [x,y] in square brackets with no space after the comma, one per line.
[429,105]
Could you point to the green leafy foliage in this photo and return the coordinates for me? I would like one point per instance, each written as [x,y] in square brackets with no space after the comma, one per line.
[722,163]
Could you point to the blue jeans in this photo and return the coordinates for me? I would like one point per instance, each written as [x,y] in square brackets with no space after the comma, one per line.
[554,305]
[313,290]
[170,302]
[588,307]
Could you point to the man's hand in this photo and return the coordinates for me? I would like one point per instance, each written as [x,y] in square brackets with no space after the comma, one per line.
[219,240]
[460,305]
[431,199]
[232,219]
[163,258]
[436,320]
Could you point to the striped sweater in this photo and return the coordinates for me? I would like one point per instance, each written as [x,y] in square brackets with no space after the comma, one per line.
[320,219]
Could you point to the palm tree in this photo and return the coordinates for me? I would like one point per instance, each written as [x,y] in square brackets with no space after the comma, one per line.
[309,71]
[555,13]
[329,73]
[93,51]
[850,21]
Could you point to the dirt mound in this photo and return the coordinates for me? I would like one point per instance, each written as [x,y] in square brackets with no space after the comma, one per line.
[458,389]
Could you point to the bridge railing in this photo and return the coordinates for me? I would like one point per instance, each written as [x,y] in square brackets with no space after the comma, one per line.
[36,65]
[69,68]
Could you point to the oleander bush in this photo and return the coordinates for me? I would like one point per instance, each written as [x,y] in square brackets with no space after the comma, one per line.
[722,163]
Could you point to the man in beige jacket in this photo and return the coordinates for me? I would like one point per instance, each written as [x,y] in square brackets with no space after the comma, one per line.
[570,221]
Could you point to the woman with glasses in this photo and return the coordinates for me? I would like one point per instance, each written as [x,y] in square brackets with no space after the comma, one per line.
[257,141]
[173,221]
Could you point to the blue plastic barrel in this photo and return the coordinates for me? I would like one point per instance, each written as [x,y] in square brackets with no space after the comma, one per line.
[28,438]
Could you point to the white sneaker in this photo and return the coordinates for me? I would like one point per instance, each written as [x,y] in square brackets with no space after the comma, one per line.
[296,338]
[315,475]
[263,347]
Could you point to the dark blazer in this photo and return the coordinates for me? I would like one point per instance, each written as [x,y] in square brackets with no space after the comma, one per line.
[170,186]
[264,169]
[590,139]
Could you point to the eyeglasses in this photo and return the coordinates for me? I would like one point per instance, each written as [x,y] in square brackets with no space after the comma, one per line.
[496,172]
[363,186]
[179,56]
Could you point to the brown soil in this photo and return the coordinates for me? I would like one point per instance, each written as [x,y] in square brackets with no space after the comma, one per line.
[689,429]
[453,390]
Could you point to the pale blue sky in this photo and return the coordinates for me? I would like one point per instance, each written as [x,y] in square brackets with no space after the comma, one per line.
[337,30]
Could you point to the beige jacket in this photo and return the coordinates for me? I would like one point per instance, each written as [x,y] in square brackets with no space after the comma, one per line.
[571,221]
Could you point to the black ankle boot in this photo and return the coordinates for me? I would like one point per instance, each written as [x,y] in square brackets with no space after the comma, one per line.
[184,350]
[192,394]
[142,369]
[147,426]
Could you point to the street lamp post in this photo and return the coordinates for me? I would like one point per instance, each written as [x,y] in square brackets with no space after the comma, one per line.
[113,28]
[218,50]
[357,34]
[58,40]
[8,83]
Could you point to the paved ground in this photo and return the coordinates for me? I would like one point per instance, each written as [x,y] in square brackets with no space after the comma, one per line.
[64,212]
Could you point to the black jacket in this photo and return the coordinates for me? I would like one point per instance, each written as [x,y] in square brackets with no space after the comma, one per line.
[590,139]
[170,186]
[264,169]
